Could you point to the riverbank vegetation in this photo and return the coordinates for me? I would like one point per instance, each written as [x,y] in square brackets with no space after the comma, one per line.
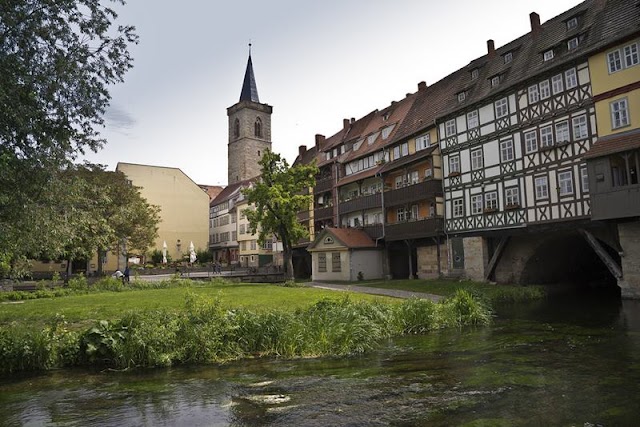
[214,329]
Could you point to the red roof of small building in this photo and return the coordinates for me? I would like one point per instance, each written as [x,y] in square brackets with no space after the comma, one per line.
[352,238]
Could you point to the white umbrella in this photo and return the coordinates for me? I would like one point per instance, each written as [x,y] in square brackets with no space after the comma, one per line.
[192,253]
[164,252]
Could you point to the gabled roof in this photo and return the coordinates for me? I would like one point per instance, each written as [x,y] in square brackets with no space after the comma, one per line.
[616,143]
[249,87]
[230,191]
[352,238]
[407,160]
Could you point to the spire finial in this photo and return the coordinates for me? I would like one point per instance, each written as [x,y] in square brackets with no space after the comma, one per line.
[249,47]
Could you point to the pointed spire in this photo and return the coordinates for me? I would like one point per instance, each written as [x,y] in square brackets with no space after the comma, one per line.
[249,88]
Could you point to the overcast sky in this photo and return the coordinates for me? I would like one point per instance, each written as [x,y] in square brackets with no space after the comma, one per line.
[315,62]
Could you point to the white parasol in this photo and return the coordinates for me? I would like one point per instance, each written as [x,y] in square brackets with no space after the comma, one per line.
[192,253]
[164,252]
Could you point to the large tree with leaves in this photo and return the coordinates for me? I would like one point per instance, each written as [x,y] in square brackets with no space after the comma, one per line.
[57,61]
[276,198]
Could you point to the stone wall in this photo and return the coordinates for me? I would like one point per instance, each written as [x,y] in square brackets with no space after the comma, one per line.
[428,261]
[629,233]
[476,257]
[246,150]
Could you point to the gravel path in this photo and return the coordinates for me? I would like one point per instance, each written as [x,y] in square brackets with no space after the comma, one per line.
[375,291]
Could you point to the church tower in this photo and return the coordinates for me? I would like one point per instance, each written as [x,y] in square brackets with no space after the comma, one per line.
[249,130]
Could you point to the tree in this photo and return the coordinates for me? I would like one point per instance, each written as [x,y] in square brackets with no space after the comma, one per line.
[277,197]
[57,59]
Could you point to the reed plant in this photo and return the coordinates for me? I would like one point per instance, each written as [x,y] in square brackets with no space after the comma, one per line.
[207,332]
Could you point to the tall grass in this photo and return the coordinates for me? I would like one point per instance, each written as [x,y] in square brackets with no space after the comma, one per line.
[205,332]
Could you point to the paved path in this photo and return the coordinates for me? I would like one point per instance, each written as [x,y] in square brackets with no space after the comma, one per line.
[375,291]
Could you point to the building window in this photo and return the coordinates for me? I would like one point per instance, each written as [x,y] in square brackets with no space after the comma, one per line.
[565,183]
[241,228]
[585,179]
[422,142]
[462,96]
[507,57]
[495,81]
[615,61]
[450,127]
[546,136]
[414,177]
[336,265]
[512,196]
[243,245]
[476,159]
[402,214]
[571,78]
[542,188]
[458,208]
[631,55]
[258,128]
[545,91]
[322,262]
[506,151]
[454,164]
[619,113]
[476,204]
[387,131]
[474,74]
[530,141]
[399,181]
[236,128]
[534,95]
[502,108]
[415,213]
[580,130]
[572,23]
[472,119]
[548,55]
[562,132]
[491,200]
[253,245]
[572,43]
[556,84]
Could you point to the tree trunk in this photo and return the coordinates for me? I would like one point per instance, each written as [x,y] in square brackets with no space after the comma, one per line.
[287,256]
[101,253]
[69,270]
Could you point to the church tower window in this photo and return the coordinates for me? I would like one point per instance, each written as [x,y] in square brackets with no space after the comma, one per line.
[236,128]
[258,128]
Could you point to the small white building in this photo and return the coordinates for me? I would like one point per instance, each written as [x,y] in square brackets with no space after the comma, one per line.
[344,253]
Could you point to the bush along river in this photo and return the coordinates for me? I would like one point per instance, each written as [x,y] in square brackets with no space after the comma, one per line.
[564,361]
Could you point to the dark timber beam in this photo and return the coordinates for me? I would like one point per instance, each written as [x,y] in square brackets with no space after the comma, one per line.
[613,267]
[496,257]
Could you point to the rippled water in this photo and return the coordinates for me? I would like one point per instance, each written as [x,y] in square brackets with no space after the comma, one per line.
[563,362]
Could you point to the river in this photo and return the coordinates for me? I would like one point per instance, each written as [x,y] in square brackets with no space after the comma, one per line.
[560,362]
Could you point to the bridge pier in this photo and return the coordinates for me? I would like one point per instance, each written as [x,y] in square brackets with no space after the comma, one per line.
[629,233]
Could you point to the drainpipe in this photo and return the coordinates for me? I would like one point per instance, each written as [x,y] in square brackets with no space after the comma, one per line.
[384,213]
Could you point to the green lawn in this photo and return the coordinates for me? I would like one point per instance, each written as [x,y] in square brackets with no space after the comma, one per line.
[82,310]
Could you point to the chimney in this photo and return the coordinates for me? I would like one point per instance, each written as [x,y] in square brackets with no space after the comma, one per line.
[301,150]
[408,94]
[422,86]
[319,140]
[491,48]
[345,123]
[353,120]
[535,23]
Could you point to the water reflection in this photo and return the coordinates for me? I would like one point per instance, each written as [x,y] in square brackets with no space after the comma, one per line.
[560,362]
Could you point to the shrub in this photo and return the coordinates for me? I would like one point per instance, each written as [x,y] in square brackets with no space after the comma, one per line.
[78,283]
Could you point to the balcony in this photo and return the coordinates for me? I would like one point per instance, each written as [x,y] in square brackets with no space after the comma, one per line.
[616,202]
[323,213]
[361,203]
[374,231]
[421,228]
[412,193]
[304,216]
[323,185]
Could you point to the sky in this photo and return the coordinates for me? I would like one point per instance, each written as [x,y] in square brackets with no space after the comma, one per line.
[315,63]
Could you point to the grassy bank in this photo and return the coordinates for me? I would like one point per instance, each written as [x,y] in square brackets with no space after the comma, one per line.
[213,330]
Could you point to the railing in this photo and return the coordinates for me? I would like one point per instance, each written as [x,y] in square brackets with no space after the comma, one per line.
[304,216]
[374,231]
[413,229]
[361,203]
[412,193]
[323,213]
[323,185]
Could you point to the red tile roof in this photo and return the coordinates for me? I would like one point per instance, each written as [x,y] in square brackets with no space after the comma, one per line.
[352,238]
[615,143]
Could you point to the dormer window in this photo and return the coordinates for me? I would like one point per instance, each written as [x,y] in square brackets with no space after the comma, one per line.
[572,23]
[474,74]
[462,96]
[548,55]
[507,57]
[386,116]
[495,81]
[572,44]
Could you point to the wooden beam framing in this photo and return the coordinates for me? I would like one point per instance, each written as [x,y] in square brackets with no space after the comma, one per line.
[496,257]
[613,267]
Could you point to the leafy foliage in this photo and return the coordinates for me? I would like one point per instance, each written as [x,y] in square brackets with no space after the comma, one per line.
[57,60]
[278,196]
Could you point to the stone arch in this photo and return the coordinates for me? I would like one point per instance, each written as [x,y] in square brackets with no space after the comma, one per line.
[258,127]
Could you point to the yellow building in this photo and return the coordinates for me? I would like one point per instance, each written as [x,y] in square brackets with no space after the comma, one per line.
[184,207]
